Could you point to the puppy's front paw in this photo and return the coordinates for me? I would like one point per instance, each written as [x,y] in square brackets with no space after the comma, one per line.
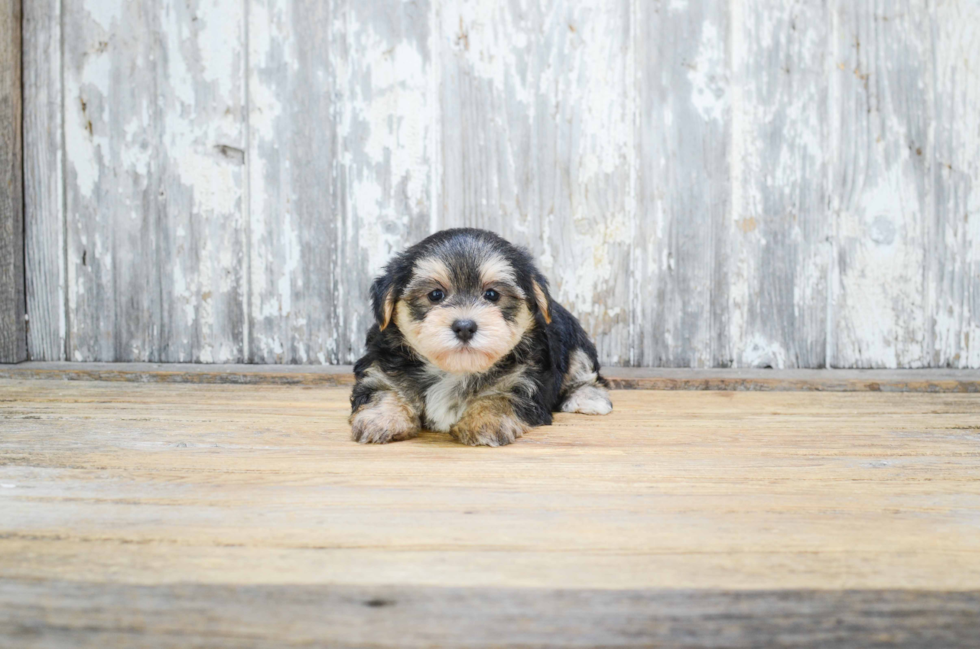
[490,423]
[385,419]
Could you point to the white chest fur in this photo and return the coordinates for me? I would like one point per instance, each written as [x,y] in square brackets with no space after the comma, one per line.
[446,400]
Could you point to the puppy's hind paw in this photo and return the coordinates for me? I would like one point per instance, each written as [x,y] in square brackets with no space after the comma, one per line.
[588,400]
[385,419]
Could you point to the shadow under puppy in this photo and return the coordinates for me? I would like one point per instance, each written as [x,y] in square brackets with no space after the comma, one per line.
[468,340]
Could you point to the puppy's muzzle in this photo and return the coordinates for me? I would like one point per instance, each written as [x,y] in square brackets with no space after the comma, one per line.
[464,329]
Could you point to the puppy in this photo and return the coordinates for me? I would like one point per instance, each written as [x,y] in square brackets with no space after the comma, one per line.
[469,341]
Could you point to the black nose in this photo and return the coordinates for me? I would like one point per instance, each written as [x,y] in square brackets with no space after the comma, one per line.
[464,329]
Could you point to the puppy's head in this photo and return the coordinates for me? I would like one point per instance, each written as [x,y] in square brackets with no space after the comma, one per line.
[462,298]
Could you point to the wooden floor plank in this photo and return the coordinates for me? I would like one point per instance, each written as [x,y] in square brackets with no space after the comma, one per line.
[194,615]
[121,500]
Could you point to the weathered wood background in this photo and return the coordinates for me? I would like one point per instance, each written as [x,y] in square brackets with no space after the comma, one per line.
[707,183]
[13,330]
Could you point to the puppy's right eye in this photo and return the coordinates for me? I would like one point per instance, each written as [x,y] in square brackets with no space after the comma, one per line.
[436,296]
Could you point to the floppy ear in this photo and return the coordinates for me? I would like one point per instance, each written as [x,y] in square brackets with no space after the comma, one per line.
[541,297]
[383,299]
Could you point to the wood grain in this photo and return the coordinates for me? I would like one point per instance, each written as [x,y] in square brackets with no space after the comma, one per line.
[295,205]
[620,378]
[538,144]
[339,98]
[707,183]
[738,517]
[779,165]
[882,182]
[13,327]
[44,216]
[48,614]
[684,489]
[953,247]
[683,240]
[388,122]
[154,142]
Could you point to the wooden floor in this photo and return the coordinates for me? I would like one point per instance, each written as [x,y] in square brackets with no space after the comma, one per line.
[240,515]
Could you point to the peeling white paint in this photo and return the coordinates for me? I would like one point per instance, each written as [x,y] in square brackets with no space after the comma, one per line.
[758,351]
[708,75]
[153,201]
[393,116]
[883,308]
[86,119]
[761,184]
[105,14]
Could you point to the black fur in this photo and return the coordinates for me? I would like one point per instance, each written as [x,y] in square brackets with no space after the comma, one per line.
[545,351]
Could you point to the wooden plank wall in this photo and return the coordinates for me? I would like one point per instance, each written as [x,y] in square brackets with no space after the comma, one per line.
[743,183]
[13,326]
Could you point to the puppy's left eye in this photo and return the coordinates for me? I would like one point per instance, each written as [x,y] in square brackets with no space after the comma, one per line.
[491,295]
[436,296]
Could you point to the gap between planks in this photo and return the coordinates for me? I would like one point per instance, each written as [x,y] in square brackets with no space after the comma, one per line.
[620,378]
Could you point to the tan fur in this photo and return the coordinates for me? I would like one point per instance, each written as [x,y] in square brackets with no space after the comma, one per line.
[431,269]
[434,339]
[387,307]
[444,406]
[387,418]
[542,301]
[489,422]
[375,377]
[496,269]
